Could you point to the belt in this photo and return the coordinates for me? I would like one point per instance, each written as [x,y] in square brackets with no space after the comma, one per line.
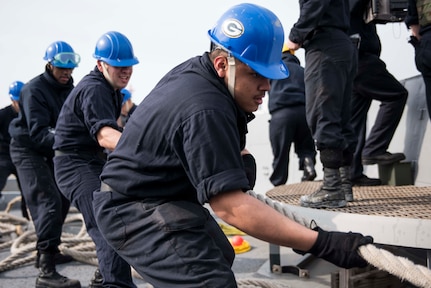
[70,152]
[356,40]
[84,153]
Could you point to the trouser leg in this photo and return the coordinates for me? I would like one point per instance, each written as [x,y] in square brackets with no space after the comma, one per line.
[386,89]
[42,197]
[281,132]
[77,179]
[423,64]
[360,107]
[166,254]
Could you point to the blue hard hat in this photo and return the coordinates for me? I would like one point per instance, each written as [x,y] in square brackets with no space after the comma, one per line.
[15,90]
[126,95]
[115,49]
[61,55]
[254,35]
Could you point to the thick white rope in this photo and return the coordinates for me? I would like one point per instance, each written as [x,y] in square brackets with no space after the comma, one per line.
[250,283]
[401,267]
[23,244]
[379,258]
[280,207]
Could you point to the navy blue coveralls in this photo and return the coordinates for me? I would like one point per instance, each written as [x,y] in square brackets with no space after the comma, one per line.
[92,105]
[372,82]
[32,134]
[180,147]
[288,122]
[330,59]
[423,47]
[7,114]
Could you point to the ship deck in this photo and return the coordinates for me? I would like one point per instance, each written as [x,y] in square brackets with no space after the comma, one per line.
[393,215]
[408,201]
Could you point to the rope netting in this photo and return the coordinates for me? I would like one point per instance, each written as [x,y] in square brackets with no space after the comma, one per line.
[81,247]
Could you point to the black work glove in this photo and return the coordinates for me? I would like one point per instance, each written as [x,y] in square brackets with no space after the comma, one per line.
[414,41]
[339,248]
[250,169]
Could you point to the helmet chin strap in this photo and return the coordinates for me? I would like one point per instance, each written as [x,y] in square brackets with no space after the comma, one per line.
[231,79]
[106,74]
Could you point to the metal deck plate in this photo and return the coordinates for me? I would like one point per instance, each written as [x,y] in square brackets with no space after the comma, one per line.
[393,215]
[392,201]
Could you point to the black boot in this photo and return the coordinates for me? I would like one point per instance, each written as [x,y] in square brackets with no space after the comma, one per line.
[97,280]
[59,258]
[346,184]
[49,277]
[309,171]
[329,194]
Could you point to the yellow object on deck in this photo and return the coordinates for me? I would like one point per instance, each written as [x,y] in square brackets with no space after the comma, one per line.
[239,244]
[230,230]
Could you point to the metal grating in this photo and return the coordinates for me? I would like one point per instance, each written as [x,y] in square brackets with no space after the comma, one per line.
[389,201]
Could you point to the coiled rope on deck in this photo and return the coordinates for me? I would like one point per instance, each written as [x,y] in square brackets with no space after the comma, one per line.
[23,243]
[80,246]
[382,259]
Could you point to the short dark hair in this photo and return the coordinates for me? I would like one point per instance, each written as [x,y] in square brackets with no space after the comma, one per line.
[216,50]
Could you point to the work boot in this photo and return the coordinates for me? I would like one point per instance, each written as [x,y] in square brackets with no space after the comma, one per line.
[59,258]
[383,159]
[49,277]
[329,194]
[97,280]
[309,171]
[346,184]
[364,180]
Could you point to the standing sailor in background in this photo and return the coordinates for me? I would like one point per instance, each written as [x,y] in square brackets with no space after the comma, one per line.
[31,151]
[7,114]
[419,22]
[373,82]
[331,63]
[288,123]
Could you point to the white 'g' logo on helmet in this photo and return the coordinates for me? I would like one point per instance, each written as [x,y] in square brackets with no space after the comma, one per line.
[232,28]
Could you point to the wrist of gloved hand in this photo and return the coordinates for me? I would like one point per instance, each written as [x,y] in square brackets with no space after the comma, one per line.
[250,169]
[339,248]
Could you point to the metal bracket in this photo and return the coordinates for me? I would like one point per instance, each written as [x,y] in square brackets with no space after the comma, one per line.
[298,269]
[302,273]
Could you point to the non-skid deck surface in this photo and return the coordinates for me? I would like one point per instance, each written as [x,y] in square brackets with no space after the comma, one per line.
[390,201]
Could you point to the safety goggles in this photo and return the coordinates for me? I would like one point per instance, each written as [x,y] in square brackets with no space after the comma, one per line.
[66,58]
